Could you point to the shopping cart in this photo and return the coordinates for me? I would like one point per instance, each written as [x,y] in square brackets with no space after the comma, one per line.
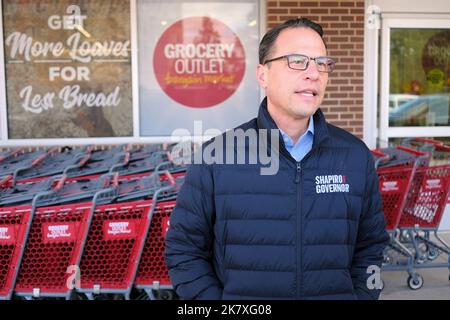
[92,167]
[423,212]
[396,168]
[49,266]
[22,193]
[115,242]
[157,161]
[152,276]
[53,163]
[14,225]
[143,152]
[19,160]
[8,154]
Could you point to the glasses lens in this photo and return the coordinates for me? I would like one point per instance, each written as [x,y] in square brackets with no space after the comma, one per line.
[298,62]
[325,64]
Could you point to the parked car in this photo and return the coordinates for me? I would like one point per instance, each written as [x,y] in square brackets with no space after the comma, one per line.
[396,100]
[426,110]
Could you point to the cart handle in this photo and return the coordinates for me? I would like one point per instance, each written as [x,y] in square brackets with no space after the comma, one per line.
[60,182]
[170,178]
[115,180]
[6,180]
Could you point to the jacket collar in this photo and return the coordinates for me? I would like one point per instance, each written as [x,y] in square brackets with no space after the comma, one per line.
[265,121]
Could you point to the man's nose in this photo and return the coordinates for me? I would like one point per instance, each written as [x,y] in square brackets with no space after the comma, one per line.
[312,72]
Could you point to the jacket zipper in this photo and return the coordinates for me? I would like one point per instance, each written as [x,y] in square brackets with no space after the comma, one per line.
[299,230]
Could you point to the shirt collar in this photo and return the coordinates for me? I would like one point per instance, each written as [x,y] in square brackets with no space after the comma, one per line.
[287,139]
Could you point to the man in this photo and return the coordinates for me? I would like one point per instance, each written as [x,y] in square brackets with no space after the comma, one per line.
[314,230]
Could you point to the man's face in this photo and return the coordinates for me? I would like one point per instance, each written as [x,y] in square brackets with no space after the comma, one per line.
[294,93]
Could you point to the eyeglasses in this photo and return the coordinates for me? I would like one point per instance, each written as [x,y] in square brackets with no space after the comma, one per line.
[301,62]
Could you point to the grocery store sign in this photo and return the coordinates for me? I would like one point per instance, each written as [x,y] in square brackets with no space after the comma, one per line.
[22,48]
[199,62]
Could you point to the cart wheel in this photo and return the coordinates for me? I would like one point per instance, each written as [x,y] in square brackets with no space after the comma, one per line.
[433,253]
[164,294]
[415,285]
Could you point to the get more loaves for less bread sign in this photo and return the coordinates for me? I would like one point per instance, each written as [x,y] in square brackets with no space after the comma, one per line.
[199,62]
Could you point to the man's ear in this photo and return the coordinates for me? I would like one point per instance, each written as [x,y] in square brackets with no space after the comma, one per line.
[261,75]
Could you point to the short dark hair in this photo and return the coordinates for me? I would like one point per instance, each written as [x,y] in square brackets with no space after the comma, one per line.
[271,36]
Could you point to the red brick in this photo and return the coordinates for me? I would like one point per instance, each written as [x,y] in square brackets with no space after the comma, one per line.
[347,4]
[339,109]
[347,60]
[347,116]
[357,25]
[339,123]
[346,32]
[347,18]
[356,67]
[331,116]
[339,25]
[330,18]
[339,39]
[288,3]
[339,11]
[339,81]
[309,4]
[299,11]
[284,18]
[319,11]
[338,95]
[332,32]
[277,10]
[347,46]
[329,4]
[338,53]
[355,123]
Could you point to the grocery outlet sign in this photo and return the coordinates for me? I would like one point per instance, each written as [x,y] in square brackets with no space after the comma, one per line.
[199,62]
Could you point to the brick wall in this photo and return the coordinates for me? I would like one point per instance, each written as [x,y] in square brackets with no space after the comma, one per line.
[343,24]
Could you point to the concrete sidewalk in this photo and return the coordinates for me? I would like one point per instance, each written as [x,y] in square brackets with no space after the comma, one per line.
[436,283]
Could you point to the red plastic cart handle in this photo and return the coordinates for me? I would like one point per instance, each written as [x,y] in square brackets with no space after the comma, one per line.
[115,180]
[60,182]
[170,178]
[5,180]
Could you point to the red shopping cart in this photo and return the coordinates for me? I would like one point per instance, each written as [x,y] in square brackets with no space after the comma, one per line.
[114,245]
[14,225]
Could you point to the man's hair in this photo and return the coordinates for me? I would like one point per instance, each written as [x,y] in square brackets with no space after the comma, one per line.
[268,41]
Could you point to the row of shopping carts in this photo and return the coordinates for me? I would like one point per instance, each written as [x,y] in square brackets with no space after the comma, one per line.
[86,224]
[414,181]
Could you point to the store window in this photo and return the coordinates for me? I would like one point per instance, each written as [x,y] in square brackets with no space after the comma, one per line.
[67,68]
[197,62]
[420,77]
[415,79]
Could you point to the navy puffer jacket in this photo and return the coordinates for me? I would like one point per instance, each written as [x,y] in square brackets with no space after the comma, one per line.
[309,232]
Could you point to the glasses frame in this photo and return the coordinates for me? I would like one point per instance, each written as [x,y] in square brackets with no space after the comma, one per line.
[307,63]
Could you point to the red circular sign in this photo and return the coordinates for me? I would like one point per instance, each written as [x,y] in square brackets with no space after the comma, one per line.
[199,62]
